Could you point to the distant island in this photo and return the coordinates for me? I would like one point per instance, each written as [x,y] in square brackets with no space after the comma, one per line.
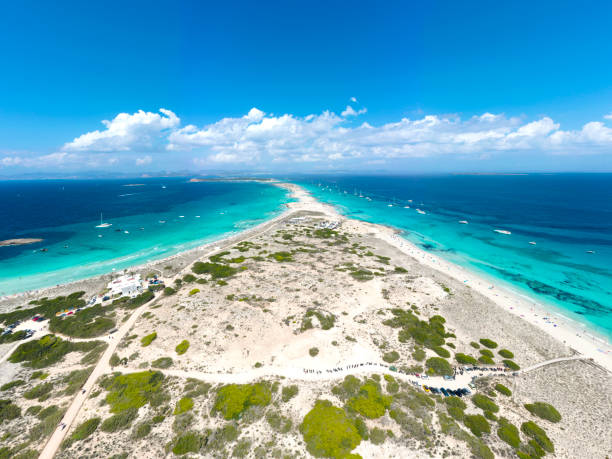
[22,241]
[231,179]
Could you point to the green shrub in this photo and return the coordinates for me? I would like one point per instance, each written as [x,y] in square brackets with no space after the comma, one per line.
[455,401]
[475,345]
[242,448]
[119,421]
[313,351]
[487,352]
[441,351]
[182,347]
[278,422]
[8,411]
[38,391]
[348,388]
[544,411]
[484,403]
[84,430]
[486,360]
[146,340]
[508,433]
[531,429]
[465,359]
[142,430]
[189,442]
[233,399]
[377,436]
[289,392]
[477,424]
[328,432]
[419,354]
[34,410]
[370,402]
[362,274]
[187,278]
[326,320]
[50,350]
[438,366]
[391,357]
[194,291]
[87,323]
[216,270]
[503,389]
[75,380]
[169,291]
[488,343]
[162,362]
[133,390]
[510,364]
[506,354]
[10,385]
[183,405]
[281,256]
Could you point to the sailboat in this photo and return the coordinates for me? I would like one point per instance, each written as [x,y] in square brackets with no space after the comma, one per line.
[102,224]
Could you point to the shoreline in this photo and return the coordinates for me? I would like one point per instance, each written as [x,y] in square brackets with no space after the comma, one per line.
[574,335]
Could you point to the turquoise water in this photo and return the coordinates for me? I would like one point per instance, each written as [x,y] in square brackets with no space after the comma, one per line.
[566,215]
[65,213]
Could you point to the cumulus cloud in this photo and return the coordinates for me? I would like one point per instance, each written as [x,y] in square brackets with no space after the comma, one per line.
[144,160]
[608,116]
[127,132]
[350,111]
[262,138]
[353,99]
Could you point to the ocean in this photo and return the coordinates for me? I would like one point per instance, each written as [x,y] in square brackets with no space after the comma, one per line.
[151,219]
[567,216]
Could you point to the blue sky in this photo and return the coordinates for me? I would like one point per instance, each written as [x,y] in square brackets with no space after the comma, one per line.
[70,65]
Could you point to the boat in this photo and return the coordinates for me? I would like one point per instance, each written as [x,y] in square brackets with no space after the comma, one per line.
[102,224]
[369,199]
[590,251]
[532,243]
[463,222]
[502,231]
[181,216]
[126,232]
[422,212]
[197,216]
[389,205]
[406,207]
[162,221]
[164,186]
[99,235]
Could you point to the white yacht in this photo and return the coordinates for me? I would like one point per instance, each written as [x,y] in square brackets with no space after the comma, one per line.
[102,224]
[463,222]
[502,231]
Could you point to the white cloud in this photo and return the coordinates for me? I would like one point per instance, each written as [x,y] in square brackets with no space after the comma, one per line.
[350,111]
[608,116]
[353,99]
[127,132]
[263,138]
[144,160]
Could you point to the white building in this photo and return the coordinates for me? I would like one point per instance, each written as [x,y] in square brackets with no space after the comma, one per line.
[126,285]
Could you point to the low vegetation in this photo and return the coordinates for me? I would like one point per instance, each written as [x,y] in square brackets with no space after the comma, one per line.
[328,432]
[438,366]
[484,403]
[531,429]
[506,354]
[391,357]
[488,343]
[544,411]
[289,392]
[147,340]
[182,347]
[133,390]
[369,401]
[162,362]
[499,387]
[183,405]
[508,432]
[84,430]
[8,411]
[216,270]
[477,424]
[233,399]
[510,364]
[51,349]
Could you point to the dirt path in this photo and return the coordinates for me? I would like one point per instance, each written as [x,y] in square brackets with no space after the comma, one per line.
[552,361]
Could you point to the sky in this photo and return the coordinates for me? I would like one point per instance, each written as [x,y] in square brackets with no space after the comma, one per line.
[143,87]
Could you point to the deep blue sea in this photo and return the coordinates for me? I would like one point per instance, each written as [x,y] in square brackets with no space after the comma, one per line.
[161,216]
[566,215]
